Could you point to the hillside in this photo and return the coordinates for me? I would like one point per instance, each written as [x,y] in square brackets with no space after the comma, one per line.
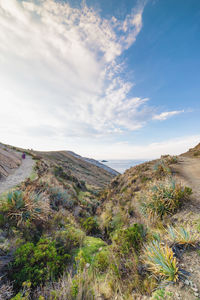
[79,167]
[193,152]
[67,233]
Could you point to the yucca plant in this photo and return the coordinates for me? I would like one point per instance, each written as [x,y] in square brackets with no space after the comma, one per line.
[182,236]
[164,198]
[15,199]
[160,261]
[161,169]
[24,206]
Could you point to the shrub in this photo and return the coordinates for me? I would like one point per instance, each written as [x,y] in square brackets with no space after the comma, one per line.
[69,238]
[59,172]
[101,261]
[115,223]
[62,198]
[164,198]
[91,226]
[89,250]
[130,238]
[38,263]
[161,169]
[160,260]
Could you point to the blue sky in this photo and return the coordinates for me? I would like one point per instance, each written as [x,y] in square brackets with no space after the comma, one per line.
[113,79]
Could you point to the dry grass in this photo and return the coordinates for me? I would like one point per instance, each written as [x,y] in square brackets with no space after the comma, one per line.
[6,290]
[79,287]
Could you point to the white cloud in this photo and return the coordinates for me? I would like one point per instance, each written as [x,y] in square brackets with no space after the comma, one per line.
[125,150]
[165,115]
[60,70]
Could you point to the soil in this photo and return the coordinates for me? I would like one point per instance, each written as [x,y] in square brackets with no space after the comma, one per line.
[187,171]
[19,175]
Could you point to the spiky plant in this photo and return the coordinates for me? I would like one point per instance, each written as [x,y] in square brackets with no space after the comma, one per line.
[164,198]
[24,206]
[182,236]
[160,261]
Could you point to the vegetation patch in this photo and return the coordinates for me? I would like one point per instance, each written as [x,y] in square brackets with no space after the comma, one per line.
[38,263]
[160,261]
[87,253]
[164,198]
[129,238]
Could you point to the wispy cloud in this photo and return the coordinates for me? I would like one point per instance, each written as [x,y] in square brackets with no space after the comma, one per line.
[167,114]
[60,70]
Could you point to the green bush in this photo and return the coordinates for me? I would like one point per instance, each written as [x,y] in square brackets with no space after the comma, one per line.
[38,263]
[130,238]
[91,226]
[69,238]
[87,254]
[101,262]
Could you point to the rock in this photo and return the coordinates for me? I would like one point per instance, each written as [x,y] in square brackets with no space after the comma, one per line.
[182,265]
[196,294]
[187,282]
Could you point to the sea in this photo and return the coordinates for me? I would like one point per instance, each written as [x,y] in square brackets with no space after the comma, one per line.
[121,165]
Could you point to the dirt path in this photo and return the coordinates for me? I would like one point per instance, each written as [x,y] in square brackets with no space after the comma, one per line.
[19,175]
[188,171]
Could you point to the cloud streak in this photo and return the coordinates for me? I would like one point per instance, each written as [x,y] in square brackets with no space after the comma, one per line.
[168,114]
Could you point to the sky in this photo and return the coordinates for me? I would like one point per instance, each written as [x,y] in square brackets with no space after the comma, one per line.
[106,79]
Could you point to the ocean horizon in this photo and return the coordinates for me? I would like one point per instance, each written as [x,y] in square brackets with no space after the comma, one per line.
[121,165]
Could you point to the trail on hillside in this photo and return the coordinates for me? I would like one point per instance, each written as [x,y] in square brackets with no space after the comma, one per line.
[19,175]
[188,171]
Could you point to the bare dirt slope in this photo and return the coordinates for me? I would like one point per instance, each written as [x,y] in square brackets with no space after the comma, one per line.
[19,175]
[188,171]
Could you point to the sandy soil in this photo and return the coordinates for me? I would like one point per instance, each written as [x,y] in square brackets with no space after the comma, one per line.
[19,175]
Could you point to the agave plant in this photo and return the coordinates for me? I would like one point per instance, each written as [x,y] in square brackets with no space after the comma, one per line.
[164,198]
[24,206]
[182,236]
[15,199]
[160,260]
